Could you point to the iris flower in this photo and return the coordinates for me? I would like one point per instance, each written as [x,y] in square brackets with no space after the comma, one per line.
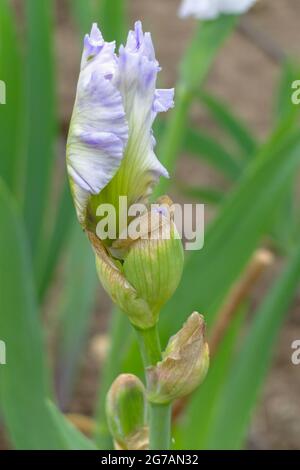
[110,154]
[211,9]
[110,148]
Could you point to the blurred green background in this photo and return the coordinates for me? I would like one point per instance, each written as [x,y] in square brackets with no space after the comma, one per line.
[233,143]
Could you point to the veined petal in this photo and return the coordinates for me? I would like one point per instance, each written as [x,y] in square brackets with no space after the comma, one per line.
[110,149]
[140,168]
[163,100]
[99,131]
[93,42]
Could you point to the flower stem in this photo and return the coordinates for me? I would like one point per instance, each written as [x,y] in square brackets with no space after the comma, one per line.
[149,346]
[159,415]
[160,429]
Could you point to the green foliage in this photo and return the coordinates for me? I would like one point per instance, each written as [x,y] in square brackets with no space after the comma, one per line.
[26,166]
[39,119]
[202,145]
[113,20]
[205,195]
[250,368]
[260,204]
[233,126]
[63,220]
[84,14]
[202,406]
[110,15]
[194,68]
[24,381]
[201,53]
[74,312]
[234,234]
[11,112]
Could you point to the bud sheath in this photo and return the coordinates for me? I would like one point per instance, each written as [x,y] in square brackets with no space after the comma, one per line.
[184,365]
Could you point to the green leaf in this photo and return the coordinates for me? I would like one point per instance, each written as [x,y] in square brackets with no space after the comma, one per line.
[40,118]
[229,428]
[11,112]
[201,145]
[74,311]
[113,20]
[84,14]
[201,52]
[245,217]
[283,105]
[23,380]
[73,438]
[230,123]
[203,195]
[210,35]
[283,230]
[61,228]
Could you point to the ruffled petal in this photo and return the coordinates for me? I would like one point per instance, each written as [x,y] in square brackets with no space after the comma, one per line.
[163,100]
[99,131]
[138,69]
[93,43]
[110,148]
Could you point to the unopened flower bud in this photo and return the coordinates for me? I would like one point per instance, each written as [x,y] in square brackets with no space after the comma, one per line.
[154,265]
[184,365]
[126,412]
[151,270]
[122,293]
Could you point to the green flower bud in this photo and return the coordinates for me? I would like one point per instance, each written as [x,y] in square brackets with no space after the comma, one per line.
[184,365]
[122,293]
[126,412]
[151,268]
[154,266]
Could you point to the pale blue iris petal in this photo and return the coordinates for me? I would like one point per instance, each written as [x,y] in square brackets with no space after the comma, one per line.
[163,100]
[96,155]
[99,130]
[138,73]
[116,104]
[93,42]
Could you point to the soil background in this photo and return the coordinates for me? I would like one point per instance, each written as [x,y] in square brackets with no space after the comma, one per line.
[245,75]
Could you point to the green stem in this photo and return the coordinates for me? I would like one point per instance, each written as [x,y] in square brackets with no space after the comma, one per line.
[160,429]
[159,415]
[149,346]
